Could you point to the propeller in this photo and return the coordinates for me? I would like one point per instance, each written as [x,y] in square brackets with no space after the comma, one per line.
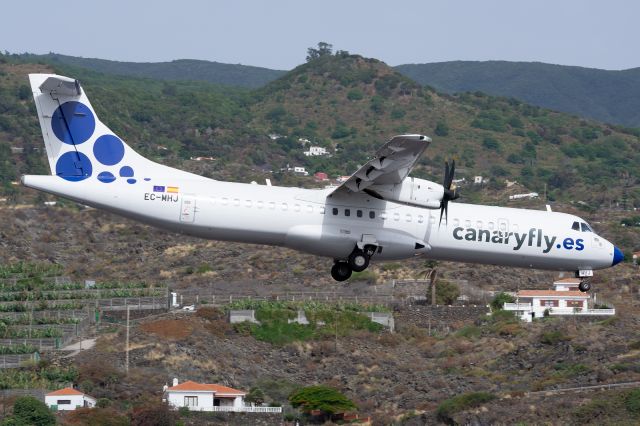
[450,192]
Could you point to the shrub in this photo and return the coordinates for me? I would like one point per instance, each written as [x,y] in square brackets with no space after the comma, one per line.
[501,298]
[632,401]
[462,402]
[469,331]
[553,337]
[442,129]
[28,410]
[355,95]
[323,398]
[156,414]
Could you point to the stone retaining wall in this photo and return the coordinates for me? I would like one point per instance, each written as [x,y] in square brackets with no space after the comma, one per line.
[232,419]
[439,317]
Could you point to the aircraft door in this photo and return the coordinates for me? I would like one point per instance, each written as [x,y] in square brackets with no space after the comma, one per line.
[188,209]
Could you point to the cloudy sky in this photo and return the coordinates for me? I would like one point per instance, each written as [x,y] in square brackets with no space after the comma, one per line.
[276,33]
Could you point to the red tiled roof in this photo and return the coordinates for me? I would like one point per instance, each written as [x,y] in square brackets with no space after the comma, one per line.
[65,391]
[552,293]
[206,387]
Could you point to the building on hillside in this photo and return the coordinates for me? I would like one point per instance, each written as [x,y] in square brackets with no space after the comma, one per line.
[477,179]
[68,399]
[564,299]
[300,171]
[530,195]
[315,151]
[321,176]
[210,397]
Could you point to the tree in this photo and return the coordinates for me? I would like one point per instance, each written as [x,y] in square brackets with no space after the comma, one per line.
[446,293]
[28,410]
[327,400]
[442,129]
[324,49]
[501,298]
[255,395]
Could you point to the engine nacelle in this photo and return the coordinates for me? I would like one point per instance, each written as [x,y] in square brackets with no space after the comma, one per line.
[413,192]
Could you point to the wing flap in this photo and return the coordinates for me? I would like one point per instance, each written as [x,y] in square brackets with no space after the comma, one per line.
[391,164]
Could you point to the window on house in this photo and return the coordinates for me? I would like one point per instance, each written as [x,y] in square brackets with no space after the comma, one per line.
[190,401]
[359,213]
[335,211]
[63,402]
[372,215]
[347,212]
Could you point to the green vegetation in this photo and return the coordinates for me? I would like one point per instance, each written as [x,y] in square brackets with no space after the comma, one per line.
[537,84]
[462,402]
[28,410]
[553,337]
[17,350]
[500,299]
[446,292]
[325,320]
[323,398]
[42,376]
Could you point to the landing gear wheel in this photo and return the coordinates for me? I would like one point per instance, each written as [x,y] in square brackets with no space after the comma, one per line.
[358,260]
[584,286]
[341,271]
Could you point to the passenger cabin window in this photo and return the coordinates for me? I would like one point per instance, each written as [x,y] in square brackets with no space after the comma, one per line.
[309,209]
[347,212]
[383,215]
[575,226]
[372,215]
[236,202]
[297,207]
[396,216]
[260,204]
[284,206]
[272,205]
[321,210]
[335,211]
[420,218]
[585,227]
[359,213]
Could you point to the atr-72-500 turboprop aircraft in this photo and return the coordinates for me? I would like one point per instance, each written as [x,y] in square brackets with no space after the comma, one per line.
[379,213]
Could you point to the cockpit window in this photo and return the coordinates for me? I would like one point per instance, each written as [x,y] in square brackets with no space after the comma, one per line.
[585,227]
[575,226]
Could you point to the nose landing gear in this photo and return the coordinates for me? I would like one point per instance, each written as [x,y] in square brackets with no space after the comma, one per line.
[585,276]
[584,285]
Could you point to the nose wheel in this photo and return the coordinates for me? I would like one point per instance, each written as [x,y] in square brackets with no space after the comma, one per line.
[584,285]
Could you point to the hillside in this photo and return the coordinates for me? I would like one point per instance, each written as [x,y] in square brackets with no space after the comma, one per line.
[181,69]
[608,96]
[344,102]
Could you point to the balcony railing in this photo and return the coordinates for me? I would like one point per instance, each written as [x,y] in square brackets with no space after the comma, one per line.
[230,409]
[517,306]
[573,311]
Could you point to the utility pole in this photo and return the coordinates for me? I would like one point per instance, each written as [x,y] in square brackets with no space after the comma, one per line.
[126,365]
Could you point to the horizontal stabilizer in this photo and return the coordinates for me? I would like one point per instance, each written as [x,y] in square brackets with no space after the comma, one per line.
[62,86]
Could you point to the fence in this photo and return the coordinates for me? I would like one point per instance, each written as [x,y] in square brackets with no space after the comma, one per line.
[220,300]
[56,314]
[69,332]
[231,409]
[15,361]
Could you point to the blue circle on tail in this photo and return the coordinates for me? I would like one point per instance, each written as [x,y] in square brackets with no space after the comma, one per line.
[73,166]
[106,177]
[73,123]
[126,171]
[108,149]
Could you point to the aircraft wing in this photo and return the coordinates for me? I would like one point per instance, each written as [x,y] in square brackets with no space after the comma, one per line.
[390,165]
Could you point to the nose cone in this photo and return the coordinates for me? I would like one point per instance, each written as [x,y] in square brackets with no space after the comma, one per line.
[618,256]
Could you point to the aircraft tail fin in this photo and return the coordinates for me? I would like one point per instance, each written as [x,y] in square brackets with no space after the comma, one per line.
[79,146]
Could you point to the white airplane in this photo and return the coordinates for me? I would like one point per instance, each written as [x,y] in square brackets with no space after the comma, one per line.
[379,213]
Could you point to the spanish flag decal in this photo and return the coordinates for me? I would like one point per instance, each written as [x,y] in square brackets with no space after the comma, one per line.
[173,189]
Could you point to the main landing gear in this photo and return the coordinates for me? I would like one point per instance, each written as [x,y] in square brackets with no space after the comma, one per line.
[357,261]
[584,285]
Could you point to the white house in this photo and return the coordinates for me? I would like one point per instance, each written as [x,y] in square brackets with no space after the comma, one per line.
[478,180]
[204,396]
[210,397]
[300,171]
[529,195]
[68,399]
[316,151]
[564,299]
